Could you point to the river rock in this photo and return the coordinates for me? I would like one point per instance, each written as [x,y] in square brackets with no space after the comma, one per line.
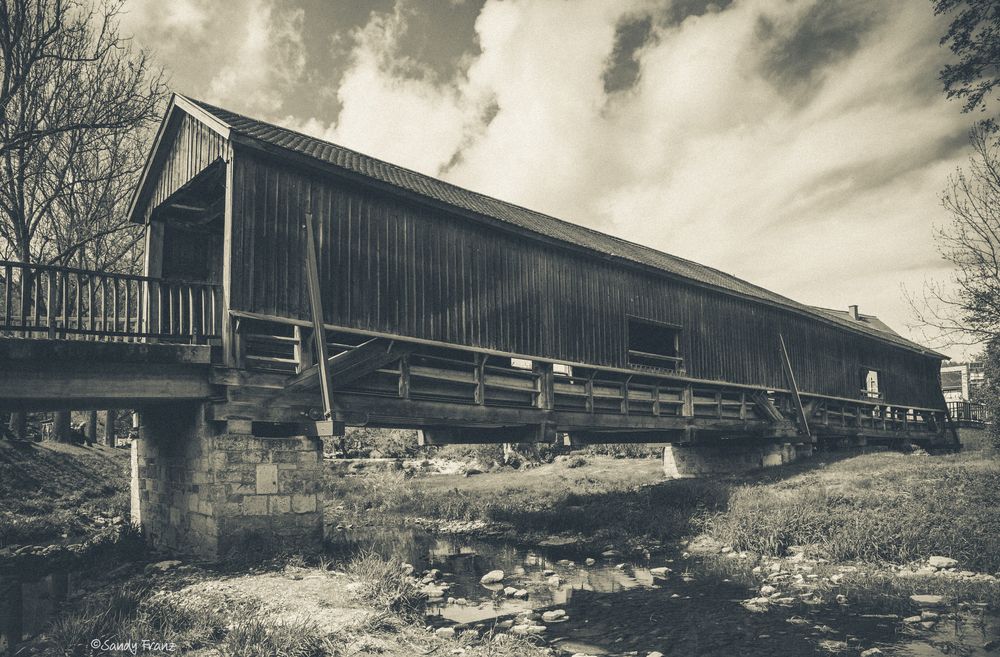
[527,629]
[659,571]
[767,589]
[521,594]
[589,561]
[942,562]
[655,653]
[831,645]
[164,566]
[911,620]
[554,580]
[927,600]
[872,652]
[610,554]
[553,615]
[548,572]
[492,577]
[445,632]
[505,624]
[929,615]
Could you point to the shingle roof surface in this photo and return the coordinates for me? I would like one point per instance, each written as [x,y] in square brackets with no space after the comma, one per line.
[523,218]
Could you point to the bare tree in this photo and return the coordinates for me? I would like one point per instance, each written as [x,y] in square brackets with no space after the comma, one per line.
[76,104]
[966,310]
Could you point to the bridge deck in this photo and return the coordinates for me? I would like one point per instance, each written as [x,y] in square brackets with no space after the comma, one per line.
[72,338]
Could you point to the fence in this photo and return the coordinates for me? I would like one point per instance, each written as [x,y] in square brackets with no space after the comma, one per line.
[968,414]
[60,302]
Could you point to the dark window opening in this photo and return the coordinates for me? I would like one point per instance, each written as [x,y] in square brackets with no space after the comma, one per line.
[653,345]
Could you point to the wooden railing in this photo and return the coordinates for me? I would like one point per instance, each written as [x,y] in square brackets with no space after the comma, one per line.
[442,374]
[59,302]
[968,414]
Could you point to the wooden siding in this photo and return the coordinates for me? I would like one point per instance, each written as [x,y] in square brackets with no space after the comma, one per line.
[192,147]
[392,266]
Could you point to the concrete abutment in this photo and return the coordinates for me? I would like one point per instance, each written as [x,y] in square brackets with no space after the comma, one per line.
[203,488]
[728,457]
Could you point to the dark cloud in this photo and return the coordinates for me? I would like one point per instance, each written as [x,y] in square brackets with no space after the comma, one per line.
[439,36]
[827,32]
[678,10]
[621,71]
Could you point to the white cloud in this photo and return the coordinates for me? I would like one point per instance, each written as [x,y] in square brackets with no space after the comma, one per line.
[706,158]
[822,187]
[268,58]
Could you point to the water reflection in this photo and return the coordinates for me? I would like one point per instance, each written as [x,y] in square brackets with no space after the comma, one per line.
[617,608]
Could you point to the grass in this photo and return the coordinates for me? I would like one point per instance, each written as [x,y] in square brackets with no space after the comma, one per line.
[295,610]
[876,508]
[600,497]
[385,586]
[51,489]
[873,507]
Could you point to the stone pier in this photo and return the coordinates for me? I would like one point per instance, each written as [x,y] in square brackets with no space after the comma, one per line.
[203,488]
[728,457]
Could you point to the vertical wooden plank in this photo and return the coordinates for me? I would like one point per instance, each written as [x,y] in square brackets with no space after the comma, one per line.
[8,277]
[50,305]
[79,303]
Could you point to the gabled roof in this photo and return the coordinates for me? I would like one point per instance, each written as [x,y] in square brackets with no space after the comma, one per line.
[278,140]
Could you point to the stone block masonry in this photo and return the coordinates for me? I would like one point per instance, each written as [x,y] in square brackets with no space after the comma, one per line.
[727,457]
[203,489]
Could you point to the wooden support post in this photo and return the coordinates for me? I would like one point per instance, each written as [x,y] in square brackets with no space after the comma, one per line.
[790,375]
[590,392]
[743,405]
[110,416]
[656,400]
[404,377]
[303,349]
[480,374]
[687,402]
[316,309]
[19,425]
[545,385]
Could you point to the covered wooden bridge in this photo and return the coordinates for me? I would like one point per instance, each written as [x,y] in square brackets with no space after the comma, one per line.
[293,286]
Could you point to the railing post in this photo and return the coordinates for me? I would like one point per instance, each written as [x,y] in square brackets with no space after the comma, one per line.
[50,306]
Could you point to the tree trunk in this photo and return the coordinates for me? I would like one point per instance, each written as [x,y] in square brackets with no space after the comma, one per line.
[18,425]
[92,427]
[60,426]
[110,416]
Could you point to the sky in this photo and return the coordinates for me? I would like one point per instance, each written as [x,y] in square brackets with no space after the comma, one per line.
[802,145]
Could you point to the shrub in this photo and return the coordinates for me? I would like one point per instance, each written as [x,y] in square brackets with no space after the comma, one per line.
[385,586]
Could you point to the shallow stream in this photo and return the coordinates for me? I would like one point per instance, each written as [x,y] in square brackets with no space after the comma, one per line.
[614,606]
[617,606]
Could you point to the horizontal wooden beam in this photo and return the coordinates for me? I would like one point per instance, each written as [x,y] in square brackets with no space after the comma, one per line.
[95,385]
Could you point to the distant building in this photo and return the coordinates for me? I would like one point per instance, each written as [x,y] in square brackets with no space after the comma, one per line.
[961,381]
